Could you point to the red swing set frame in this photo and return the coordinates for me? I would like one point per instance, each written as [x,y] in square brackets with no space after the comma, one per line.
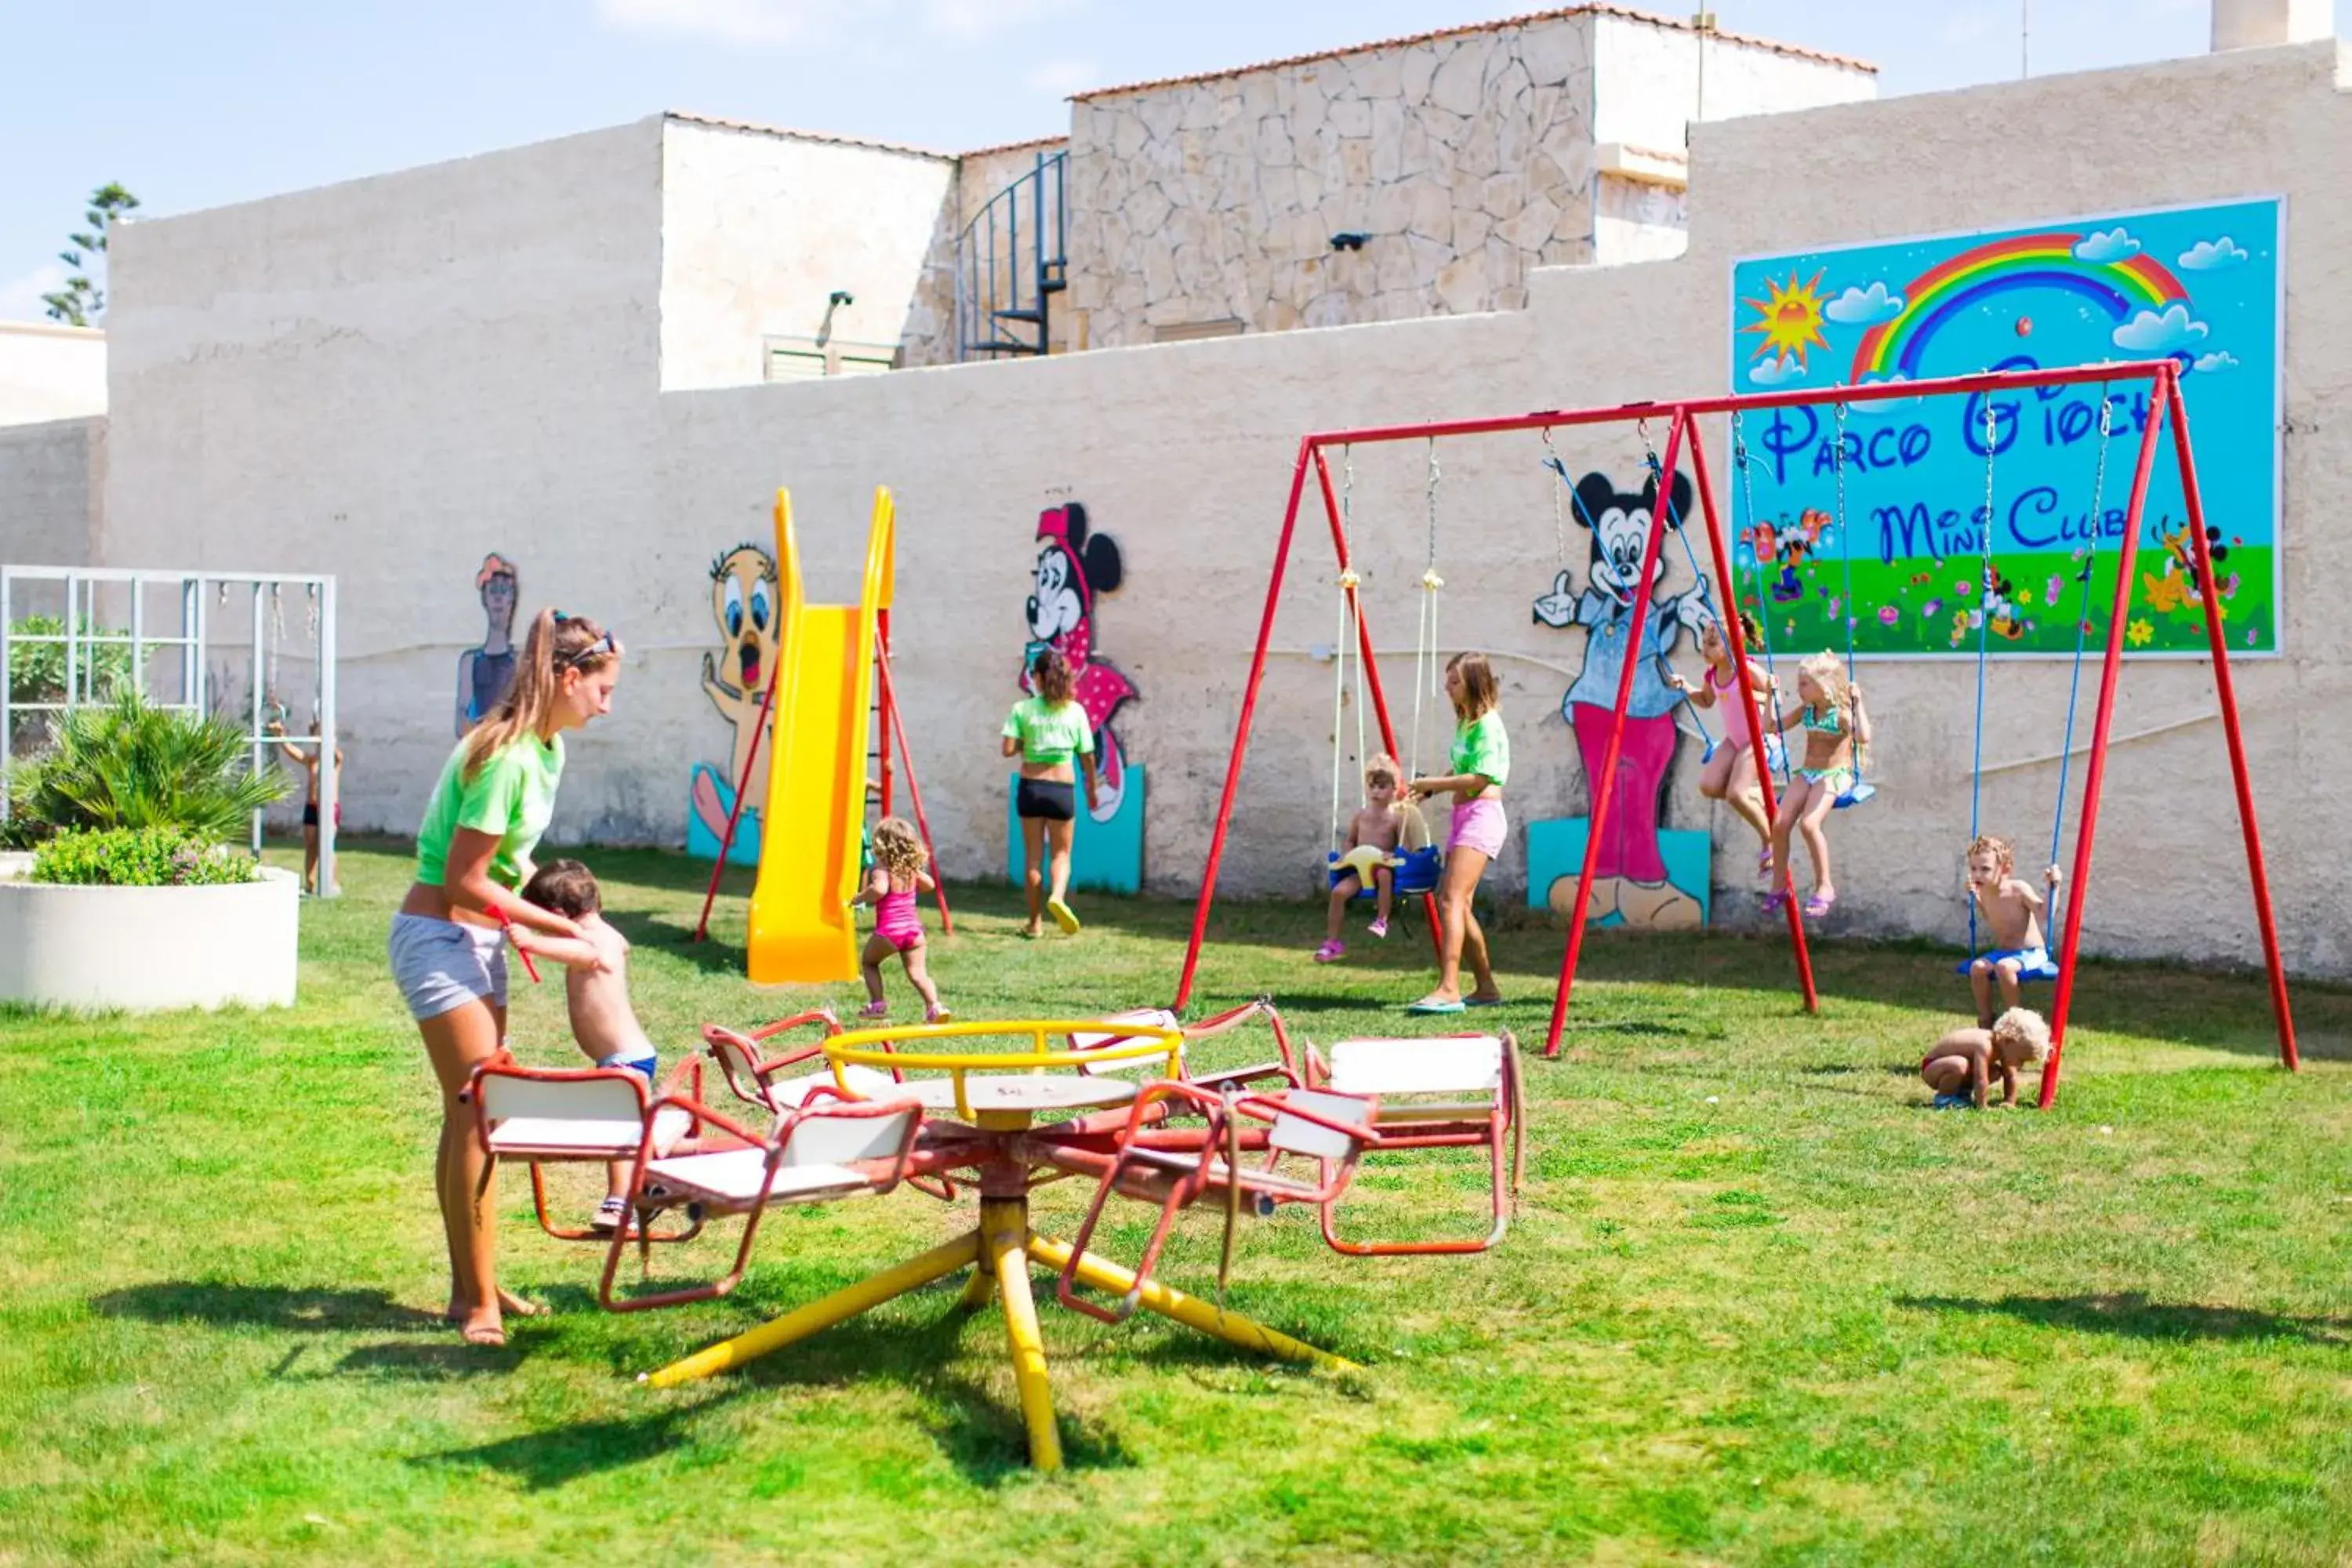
[2166,413]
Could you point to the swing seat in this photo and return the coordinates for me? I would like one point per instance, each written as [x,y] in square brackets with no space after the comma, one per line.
[1416,871]
[2044,970]
[1860,793]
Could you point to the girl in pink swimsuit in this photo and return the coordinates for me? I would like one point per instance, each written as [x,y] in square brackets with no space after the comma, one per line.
[898,878]
[1729,772]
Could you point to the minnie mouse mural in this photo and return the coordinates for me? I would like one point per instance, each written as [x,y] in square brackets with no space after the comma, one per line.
[1075,565]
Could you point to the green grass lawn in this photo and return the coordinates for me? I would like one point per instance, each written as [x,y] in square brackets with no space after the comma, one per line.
[1759,1304]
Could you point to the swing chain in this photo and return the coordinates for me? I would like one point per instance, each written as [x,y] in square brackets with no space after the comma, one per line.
[1558,517]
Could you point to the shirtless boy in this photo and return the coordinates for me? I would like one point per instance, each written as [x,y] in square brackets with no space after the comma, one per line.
[2011,913]
[596,991]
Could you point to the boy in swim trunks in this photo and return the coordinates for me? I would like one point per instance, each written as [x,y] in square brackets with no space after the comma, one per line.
[2010,911]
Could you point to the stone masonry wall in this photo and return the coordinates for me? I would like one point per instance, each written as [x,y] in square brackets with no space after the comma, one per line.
[1467,159]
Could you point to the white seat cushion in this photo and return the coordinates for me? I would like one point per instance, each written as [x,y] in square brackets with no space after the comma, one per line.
[595,1137]
[1463,1064]
[732,1177]
[1252,1181]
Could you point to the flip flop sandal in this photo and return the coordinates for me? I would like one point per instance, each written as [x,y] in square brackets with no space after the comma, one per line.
[1062,916]
[1775,902]
[1482,1001]
[1426,1007]
[1818,906]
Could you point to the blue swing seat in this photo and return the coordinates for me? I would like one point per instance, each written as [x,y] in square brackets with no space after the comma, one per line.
[2043,968]
[1418,874]
[1860,793]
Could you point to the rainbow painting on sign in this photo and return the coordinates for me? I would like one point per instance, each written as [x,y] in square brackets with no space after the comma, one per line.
[1871,527]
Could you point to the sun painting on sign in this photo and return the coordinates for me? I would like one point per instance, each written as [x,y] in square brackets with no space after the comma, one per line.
[1790,322]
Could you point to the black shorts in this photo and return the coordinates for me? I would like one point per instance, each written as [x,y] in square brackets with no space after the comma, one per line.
[1047,799]
[310,815]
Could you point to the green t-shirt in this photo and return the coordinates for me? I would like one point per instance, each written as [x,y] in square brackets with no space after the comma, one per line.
[1049,735]
[512,795]
[1483,746]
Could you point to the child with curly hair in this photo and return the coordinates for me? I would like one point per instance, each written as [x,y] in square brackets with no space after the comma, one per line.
[900,875]
[1961,1066]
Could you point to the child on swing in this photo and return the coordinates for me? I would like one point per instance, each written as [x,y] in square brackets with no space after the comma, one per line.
[899,877]
[1375,834]
[1829,708]
[1729,773]
[1961,1066]
[2011,913]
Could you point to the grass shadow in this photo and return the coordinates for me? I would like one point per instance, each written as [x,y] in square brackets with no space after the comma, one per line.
[439,1362]
[301,1309]
[2130,1313]
[644,929]
[542,1461]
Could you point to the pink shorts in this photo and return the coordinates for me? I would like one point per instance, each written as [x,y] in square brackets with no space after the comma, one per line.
[1478,824]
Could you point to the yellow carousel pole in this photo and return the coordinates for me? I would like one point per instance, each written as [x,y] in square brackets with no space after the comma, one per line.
[842,1305]
[1189,1310]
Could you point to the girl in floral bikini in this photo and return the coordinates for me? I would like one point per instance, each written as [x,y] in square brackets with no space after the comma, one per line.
[1830,709]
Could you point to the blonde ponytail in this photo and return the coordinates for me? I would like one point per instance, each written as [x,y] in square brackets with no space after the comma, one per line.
[556,642]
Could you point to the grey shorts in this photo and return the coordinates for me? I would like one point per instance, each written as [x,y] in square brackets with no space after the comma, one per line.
[441,965]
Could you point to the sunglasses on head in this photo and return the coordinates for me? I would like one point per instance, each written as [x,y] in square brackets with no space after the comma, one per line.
[597,649]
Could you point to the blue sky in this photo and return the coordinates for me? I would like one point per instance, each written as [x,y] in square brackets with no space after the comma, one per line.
[198,105]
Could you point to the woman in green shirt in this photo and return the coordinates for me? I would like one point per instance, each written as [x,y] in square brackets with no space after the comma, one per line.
[473,850]
[1481,761]
[1049,733]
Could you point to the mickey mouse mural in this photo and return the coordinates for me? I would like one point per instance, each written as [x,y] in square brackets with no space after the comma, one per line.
[1644,875]
[1073,567]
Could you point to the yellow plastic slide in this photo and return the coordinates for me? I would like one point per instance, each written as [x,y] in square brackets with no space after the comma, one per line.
[801,927]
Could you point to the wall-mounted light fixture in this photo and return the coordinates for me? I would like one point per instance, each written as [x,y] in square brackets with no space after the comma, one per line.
[1348,241]
[834,301]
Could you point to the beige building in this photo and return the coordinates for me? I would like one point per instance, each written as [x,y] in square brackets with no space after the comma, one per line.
[567,354]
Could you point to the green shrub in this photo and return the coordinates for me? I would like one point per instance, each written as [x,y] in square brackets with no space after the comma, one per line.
[132,765]
[37,671]
[138,857]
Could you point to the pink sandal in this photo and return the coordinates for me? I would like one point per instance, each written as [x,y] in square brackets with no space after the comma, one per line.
[875,1010]
[1775,902]
[1819,905]
[1331,952]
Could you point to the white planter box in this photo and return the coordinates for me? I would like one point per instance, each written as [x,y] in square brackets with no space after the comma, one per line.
[148,948]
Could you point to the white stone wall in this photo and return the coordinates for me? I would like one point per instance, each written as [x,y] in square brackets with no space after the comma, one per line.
[385,380]
[388,409]
[1467,158]
[1636,220]
[50,372]
[1649,81]
[52,485]
[759,227]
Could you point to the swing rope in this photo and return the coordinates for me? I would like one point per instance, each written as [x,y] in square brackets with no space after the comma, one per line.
[2082,632]
[1860,790]
[1674,524]
[1741,461]
[1425,650]
[1984,631]
[1351,631]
